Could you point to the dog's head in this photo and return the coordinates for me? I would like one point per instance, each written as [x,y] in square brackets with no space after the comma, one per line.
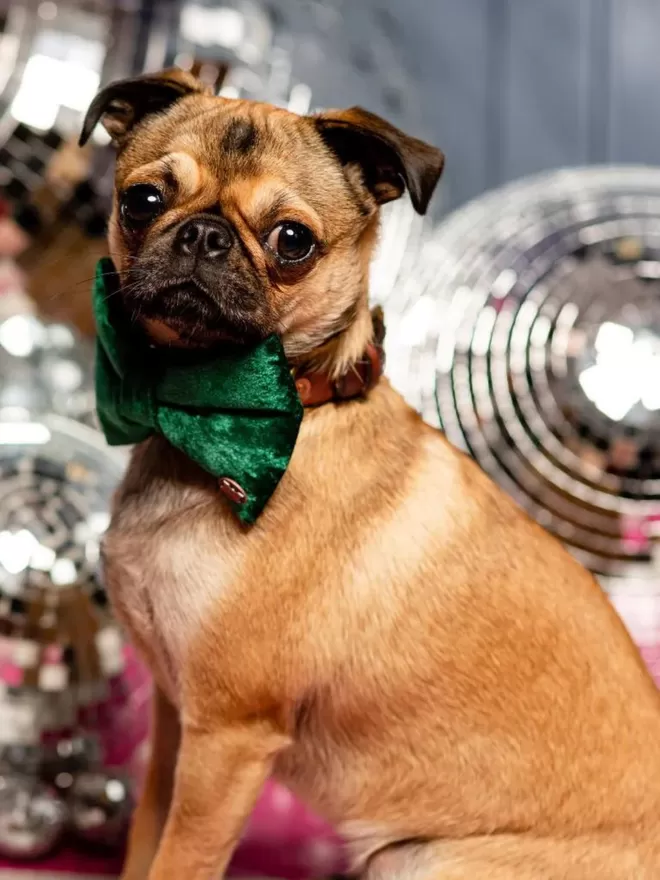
[235,219]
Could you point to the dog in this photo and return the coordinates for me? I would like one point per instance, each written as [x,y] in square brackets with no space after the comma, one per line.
[393,639]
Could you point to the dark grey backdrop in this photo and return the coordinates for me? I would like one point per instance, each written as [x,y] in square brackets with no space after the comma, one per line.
[505,87]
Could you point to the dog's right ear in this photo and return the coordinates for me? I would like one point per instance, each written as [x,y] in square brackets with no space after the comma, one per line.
[122,104]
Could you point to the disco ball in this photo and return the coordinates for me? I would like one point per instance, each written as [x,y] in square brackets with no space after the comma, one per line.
[32,818]
[530,332]
[58,641]
[45,366]
[101,804]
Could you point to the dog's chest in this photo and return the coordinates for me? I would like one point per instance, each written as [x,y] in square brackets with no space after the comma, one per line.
[168,557]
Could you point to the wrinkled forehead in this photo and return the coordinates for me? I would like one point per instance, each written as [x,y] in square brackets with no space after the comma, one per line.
[216,144]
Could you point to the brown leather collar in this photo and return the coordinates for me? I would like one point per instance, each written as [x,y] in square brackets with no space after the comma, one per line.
[317,388]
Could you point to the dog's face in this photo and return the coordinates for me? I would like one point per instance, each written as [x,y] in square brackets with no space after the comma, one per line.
[233,219]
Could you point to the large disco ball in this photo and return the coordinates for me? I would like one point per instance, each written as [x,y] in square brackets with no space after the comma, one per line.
[530,332]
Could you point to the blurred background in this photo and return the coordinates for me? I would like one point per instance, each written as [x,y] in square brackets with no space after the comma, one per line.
[523,318]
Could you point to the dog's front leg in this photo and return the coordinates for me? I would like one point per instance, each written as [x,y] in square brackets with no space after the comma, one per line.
[219,775]
[154,803]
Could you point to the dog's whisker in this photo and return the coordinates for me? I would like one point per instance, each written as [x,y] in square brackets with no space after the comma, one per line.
[53,297]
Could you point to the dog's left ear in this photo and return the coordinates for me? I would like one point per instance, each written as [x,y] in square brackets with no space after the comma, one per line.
[121,105]
[390,160]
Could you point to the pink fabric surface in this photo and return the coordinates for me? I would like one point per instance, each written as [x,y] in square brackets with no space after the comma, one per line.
[282,839]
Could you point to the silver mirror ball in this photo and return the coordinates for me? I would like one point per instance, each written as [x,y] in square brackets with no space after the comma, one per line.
[32,818]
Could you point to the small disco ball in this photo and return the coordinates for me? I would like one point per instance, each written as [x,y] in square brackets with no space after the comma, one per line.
[45,366]
[530,332]
[100,804]
[32,818]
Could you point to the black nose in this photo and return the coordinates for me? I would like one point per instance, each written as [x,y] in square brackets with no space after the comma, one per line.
[204,237]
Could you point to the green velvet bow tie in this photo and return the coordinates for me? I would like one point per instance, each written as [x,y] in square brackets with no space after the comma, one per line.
[237,414]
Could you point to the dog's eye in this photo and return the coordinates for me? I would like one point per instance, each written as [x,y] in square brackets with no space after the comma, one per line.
[140,205]
[292,242]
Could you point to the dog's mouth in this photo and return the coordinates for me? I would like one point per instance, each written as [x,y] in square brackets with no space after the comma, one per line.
[185,315]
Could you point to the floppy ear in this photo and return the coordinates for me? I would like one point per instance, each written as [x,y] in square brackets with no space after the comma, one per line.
[390,160]
[122,104]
